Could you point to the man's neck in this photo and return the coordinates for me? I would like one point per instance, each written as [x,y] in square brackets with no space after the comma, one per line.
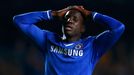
[72,39]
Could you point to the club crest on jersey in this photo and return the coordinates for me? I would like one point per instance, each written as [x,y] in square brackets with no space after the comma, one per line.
[78,46]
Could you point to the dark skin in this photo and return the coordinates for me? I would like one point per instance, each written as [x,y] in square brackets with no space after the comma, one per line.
[73,26]
[73,21]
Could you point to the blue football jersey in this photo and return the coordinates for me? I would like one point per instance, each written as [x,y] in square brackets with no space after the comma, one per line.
[73,58]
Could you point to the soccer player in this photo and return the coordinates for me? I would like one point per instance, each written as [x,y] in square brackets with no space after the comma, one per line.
[70,54]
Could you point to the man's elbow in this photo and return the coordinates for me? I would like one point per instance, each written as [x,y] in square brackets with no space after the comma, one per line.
[122,28]
[16,19]
[119,31]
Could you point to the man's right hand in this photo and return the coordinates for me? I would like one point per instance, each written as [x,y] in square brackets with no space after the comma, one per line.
[60,13]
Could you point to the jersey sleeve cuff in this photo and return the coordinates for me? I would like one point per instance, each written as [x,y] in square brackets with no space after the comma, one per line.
[49,15]
[94,15]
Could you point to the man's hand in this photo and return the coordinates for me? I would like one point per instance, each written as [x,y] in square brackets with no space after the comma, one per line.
[83,10]
[60,13]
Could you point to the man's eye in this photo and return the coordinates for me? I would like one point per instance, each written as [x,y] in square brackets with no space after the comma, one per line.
[75,19]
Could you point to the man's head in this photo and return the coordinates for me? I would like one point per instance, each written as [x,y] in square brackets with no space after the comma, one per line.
[74,23]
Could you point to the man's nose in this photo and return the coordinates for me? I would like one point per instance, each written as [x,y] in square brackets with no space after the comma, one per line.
[69,20]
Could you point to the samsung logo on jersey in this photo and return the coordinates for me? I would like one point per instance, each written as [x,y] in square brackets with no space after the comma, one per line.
[65,51]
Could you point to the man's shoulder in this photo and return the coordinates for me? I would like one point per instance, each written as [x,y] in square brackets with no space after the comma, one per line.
[89,38]
[52,36]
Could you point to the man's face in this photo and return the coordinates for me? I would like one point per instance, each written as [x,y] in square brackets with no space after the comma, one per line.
[73,23]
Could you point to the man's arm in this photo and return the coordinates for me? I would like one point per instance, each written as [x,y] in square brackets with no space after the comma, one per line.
[26,23]
[106,39]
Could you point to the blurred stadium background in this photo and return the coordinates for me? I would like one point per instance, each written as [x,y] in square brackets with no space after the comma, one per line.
[20,56]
